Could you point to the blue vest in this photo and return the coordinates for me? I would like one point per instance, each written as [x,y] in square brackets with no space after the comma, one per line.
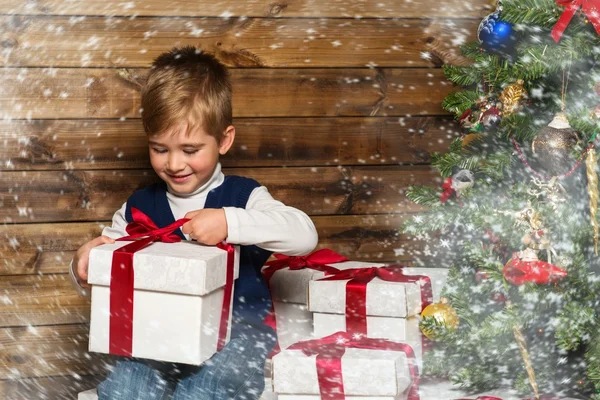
[251,297]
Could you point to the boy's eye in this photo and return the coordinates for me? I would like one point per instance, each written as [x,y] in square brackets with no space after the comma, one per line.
[190,151]
[159,151]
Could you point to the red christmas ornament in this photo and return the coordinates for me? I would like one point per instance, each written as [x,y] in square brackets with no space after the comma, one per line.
[518,271]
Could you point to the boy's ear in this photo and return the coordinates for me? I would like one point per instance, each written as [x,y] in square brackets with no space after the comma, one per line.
[227,140]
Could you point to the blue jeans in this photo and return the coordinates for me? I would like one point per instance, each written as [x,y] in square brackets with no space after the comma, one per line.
[236,372]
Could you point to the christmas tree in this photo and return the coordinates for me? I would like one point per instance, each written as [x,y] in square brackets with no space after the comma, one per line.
[515,214]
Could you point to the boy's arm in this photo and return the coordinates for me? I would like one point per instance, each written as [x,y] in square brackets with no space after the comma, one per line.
[115,231]
[271,225]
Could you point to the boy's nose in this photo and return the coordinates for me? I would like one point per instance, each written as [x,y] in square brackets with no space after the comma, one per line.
[175,163]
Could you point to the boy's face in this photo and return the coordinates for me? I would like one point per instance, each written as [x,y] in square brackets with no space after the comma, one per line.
[186,161]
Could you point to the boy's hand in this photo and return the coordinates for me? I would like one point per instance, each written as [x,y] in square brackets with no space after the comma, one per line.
[82,258]
[207,226]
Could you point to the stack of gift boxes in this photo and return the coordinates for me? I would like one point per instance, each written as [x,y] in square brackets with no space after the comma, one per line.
[354,327]
[344,328]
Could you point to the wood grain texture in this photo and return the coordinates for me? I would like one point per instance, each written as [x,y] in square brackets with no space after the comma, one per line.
[40,249]
[47,351]
[260,8]
[41,300]
[63,93]
[48,388]
[260,142]
[237,42]
[53,196]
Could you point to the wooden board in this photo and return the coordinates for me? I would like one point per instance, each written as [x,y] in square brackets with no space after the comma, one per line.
[261,8]
[51,388]
[62,93]
[49,350]
[41,300]
[237,42]
[53,196]
[40,249]
[260,142]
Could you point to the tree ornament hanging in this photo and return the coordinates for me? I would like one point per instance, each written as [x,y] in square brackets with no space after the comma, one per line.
[443,313]
[462,180]
[525,267]
[511,97]
[497,36]
[553,145]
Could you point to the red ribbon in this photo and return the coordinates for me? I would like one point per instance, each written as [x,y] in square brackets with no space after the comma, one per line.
[122,278]
[329,351]
[356,291]
[317,261]
[591,9]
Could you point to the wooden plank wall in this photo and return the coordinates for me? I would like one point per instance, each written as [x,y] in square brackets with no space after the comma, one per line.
[337,108]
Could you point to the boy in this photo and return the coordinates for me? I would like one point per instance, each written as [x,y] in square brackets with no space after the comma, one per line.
[186,113]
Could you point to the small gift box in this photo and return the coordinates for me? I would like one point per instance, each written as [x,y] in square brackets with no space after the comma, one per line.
[162,301]
[375,300]
[287,278]
[341,365]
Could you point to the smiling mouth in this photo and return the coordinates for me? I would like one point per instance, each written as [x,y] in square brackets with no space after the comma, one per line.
[179,178]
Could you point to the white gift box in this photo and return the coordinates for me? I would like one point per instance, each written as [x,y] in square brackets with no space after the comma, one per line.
[403,330]
[384,299]
[289,294]
[294,323]
[365,372]
[178,298]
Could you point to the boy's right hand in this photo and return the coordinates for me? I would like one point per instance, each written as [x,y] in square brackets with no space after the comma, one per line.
[82,258]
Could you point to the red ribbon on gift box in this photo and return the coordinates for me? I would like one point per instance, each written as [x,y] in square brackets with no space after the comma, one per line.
[317,260]
[591,9]
[143,231]
[356,291]
[329,351]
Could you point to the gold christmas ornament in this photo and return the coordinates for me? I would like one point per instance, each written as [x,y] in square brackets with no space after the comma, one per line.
[591,163]
[443,313]
[511,95]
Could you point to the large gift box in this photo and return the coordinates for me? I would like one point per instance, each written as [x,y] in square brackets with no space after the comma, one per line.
[341,365]
[179,311]
[385,301]
[287,278]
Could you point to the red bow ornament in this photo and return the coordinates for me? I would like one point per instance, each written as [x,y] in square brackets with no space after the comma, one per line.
[591,9]
[520,270]
[329,351]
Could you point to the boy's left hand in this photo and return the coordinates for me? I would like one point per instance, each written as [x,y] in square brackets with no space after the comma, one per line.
[207,226]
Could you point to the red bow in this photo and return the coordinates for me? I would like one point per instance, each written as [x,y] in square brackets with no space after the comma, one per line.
[591,8]
[329,351]
[518,272]
[317,261]
[122,279]
[356,291]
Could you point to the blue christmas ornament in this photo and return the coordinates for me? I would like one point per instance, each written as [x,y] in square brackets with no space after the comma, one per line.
[497,36]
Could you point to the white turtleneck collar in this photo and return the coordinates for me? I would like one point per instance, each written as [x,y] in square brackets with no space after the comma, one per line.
[215,180]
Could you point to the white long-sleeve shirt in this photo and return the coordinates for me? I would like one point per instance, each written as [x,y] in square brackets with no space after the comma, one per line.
[265,222]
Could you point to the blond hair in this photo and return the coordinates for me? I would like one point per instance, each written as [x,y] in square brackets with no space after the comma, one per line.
[187,85]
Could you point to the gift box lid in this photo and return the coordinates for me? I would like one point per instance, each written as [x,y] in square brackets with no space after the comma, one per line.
[364,372]
[386,299]
[186,267]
